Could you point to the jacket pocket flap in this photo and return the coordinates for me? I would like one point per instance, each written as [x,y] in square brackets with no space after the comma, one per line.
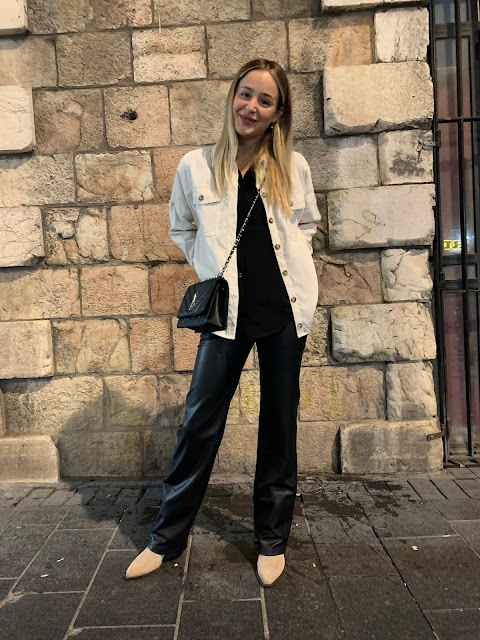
[204,195]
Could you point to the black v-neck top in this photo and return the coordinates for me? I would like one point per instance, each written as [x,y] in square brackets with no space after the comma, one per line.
[264,307]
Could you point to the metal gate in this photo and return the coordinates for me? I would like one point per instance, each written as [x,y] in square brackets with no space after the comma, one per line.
[455,62]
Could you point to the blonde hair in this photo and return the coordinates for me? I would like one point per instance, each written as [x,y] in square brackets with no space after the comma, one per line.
[274,150]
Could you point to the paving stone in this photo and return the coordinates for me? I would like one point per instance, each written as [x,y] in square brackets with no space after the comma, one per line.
[354,559]
[378,608]
[449,488]
[36,496]
[40,515]
[224,515]
[5,586]
[128,497]
[470,486]
[125,633]
[6,515]
[105,496]
[426,489]
[38,616]
[469,530]
[460,472]
[300,605]
[114,601]
[467,509]
[67,561]
[153,495]
[451,625]
[93,517]
[233,620]
[135,527]
[402,490]
[407,520]
[331,522]
[82,496]
[300,544]
[58,497]
[18,545]
[442,573]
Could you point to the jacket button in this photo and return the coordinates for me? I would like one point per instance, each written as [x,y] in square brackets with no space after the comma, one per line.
[299,325]
[293,299]
[270,219]
[285,273]
[277,246]
[200,197]
[239,275]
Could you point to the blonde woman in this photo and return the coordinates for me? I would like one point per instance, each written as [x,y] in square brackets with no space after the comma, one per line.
[273,295]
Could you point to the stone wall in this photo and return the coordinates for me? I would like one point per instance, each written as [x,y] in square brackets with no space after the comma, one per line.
[98,105]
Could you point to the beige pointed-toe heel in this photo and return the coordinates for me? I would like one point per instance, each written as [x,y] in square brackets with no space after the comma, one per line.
[269,569]
[144,564]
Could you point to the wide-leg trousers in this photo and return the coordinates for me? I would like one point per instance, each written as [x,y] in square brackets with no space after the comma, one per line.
[216,374]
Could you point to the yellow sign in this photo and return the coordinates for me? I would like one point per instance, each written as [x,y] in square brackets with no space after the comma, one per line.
[452,245]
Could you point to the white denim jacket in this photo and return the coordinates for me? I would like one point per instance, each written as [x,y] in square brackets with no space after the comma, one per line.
[204,227]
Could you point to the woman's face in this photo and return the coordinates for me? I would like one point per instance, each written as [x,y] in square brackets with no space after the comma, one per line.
[255,104]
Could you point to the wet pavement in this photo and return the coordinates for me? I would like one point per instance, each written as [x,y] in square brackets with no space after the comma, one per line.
[368,558]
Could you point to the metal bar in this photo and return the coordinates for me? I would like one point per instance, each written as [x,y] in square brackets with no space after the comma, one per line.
[464,119]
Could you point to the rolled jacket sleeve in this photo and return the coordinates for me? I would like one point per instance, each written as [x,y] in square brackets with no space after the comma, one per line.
[311,215]
[183,229]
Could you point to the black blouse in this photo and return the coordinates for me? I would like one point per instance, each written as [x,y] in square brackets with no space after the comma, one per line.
[264,305]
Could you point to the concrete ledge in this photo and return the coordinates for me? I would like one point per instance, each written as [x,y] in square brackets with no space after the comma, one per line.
[390,447]
[14,17]
[29,459]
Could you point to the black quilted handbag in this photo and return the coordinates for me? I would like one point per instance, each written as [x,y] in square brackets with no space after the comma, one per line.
[205,304]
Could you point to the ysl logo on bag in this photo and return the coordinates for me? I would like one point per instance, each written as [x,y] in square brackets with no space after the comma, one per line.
[192,304]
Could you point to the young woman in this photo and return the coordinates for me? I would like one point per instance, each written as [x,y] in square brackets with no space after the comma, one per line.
[273,295]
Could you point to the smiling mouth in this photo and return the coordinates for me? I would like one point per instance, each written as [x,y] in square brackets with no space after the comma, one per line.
[249,120]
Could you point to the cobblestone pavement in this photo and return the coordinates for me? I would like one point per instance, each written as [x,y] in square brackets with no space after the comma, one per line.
[368,558]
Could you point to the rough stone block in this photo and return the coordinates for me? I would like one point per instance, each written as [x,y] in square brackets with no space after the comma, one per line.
[36,180]
[280,9]
[410,391]
[187,100]
[342,162]
[150,344]
[56,406]
[348,278]
[318,447]
[165,163]
[17,131]
[28,61]
[200,11]
[315,353]
[59,16]
[69,120]
[400,215]
[112,455]
[122,13]
[231,45]
[3,426]
[93,58]
[172,392]
[390,447]
[139,233]
[88,346]
[342,393]
[306,90]
[403,158]
[158,448]
[401,34]
[131,401]
[387,96]
[27,349]
[116,290]
[28,459]
[169,54]
[38,294]
[21,239]
[343,5]
[168,283]
[406,275]
[329,41]
[383,332]
[137,117]
[249,387]
[238,450]
[14,17]
[114,177]
[75,236]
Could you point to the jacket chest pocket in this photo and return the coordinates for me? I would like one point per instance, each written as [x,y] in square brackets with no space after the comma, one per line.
[208,207]
[298,205]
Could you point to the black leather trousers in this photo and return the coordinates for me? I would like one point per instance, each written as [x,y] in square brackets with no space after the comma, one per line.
[216,374]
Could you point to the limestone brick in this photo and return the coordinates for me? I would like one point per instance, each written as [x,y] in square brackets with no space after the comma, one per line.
[345,5]
[28,459]
[387,96]
[38,294]
[27,349]
[14,17]
[93,58]
[249,387]
[21,239]
[114,177]
[342,162]
[280,9]
[139,233]
[172,392]
[233,44]
[316,43]
[307,120]
[405,156]
[348,277]
[150,344]
[3,426]
[341,393]
[53,407]
[27,61]
[390,447]
[116,290]
[75,235]
[410,391]
[131,401]
[406,275]
[122,13]
[383,332]
[168,285]
[69,120]
[158,448]
[137,116]
[89,346]
[400,215]
[35,180]
[17,131]
[165,166]
[200,11]
[58,16]
[315,353]
[169,54]
[238,450]
[401,34]
[196,111]
[318,446]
